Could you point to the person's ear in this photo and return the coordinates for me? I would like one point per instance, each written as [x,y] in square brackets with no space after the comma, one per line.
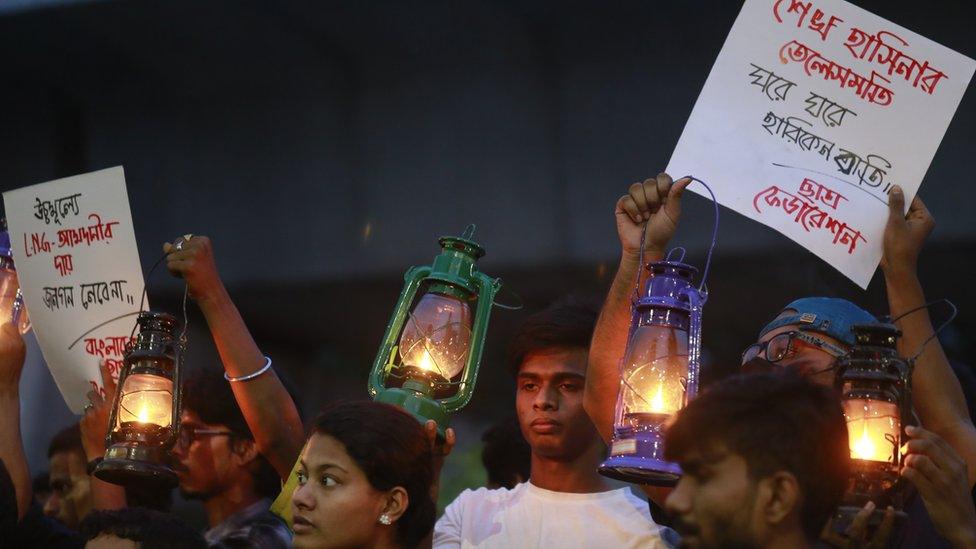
[780,496]
[244,450]
[397,502]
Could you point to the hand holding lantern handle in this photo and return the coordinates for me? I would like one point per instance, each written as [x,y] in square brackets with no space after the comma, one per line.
[269,410]
[642,203]
[652,207]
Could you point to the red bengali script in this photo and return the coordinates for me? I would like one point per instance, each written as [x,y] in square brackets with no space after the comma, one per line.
[883,48]
[106,348]
[97,231]
[805,208]
[802,9]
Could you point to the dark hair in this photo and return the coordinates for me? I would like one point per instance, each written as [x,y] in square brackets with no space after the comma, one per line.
[66,440]
[150,529]
[566,324]
[207,394]
[506,455]
[776,422]
[391,448]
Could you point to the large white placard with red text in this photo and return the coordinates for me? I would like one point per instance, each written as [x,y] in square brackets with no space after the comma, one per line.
[78,266]
[812,111]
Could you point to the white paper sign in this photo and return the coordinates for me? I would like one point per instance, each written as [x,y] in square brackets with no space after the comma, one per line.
[809,115]
[78,266]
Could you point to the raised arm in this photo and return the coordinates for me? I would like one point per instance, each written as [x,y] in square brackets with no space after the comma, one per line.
[94,428]
[12,353]
[936,393]
[657,202]
[270,412]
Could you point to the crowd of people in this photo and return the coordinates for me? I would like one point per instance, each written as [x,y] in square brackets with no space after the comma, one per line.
[764,454]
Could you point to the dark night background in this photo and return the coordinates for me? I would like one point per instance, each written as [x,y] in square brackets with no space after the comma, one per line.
[324,146]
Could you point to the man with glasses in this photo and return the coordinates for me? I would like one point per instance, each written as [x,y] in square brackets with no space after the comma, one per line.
[218,463]
[807,338]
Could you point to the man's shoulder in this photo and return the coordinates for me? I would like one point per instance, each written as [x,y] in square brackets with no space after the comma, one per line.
[490,494]
[472,498]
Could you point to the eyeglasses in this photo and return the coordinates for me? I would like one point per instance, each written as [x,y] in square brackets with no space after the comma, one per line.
[783,346]
[189,433]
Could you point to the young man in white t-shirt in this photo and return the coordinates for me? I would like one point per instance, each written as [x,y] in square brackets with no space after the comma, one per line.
[565,503]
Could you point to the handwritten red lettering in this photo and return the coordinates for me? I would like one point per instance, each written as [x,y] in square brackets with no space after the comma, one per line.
[807,214]
[114,367]
[37,244]
[96,232]
[95,388]
[898,63]
[802,9]
[63,264]
[870,89]
[107,346]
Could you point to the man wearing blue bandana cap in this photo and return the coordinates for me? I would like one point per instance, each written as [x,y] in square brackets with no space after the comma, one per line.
[807,337]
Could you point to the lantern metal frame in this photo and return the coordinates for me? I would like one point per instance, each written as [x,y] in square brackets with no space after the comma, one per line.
[452,273]
[138,456]
[670,300]
[637,454]
[873,370]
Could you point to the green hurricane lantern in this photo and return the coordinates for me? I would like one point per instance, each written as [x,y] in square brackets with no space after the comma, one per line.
[428,361]
[145,418]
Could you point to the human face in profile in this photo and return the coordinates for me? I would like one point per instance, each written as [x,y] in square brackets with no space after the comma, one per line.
[334,504]
[714,504]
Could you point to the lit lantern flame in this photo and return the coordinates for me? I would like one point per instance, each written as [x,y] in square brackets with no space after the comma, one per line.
[872,429]
[657,401]
[437,336]
[863,448]
[655,366]
[426,362]
[146,399]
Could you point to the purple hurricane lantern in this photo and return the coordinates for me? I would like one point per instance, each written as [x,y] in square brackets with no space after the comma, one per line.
[660,369]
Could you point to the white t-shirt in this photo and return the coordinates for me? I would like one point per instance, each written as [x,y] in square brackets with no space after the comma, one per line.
[529,516]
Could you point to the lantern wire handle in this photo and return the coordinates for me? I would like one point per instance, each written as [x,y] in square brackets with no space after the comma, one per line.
[711,247]
[142,304]
[944,325]
[518,306]
[677,249]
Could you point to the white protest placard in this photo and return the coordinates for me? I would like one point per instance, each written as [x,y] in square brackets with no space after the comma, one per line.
[78,266]
[809,115]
